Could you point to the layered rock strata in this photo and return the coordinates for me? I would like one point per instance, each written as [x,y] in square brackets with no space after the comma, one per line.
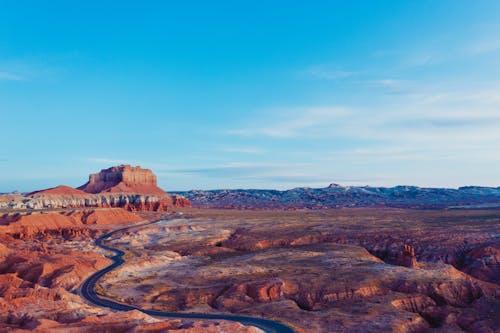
[132,188]
[123,179]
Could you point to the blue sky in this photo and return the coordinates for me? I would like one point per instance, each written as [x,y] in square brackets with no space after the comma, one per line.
[251,94]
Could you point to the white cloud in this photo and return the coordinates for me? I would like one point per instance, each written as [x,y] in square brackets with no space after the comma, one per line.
[427,125]
[293,122]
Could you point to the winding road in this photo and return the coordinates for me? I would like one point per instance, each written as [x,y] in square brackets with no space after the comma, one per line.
[87,291]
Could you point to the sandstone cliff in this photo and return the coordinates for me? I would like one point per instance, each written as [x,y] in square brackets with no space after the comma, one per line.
[132,188]
[123,179]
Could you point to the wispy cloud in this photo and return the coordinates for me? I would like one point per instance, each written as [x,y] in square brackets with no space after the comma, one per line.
[429,124]
[8,76]
[293,122]
[269,175]
[482,47]
[286,174]
[242,150]
[106,160]
[392,83]
[487,39]
[232,169]
[326,73]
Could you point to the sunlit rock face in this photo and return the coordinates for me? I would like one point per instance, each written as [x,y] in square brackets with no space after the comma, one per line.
[132,188]
[123,179]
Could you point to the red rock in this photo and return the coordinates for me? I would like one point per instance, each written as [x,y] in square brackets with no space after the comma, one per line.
[407,257]
[63,223]
[59,190]
[132,188]
[123,179]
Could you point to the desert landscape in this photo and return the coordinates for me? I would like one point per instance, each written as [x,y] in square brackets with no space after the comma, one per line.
[222,166]
[310,270]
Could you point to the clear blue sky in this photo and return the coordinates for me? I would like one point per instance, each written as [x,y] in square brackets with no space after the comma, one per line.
[251,94]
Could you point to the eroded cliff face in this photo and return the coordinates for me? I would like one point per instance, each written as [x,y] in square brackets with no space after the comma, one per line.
[129,201]
[123,179]
[132,188]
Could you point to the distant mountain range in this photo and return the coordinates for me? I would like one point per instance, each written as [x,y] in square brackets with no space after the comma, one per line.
[336,196]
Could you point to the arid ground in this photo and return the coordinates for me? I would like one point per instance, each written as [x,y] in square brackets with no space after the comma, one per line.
[352,270]
[346,270]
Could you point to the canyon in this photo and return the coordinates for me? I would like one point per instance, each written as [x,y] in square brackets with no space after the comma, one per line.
[355,270]
[44,258]
[284,256]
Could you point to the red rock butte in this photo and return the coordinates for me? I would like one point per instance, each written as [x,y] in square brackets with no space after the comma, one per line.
[123,179]
[132,188]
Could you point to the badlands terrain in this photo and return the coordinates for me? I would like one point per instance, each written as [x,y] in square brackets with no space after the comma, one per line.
[352,270]
[315,270]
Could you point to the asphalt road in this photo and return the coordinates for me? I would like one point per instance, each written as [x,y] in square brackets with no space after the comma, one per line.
[87,291]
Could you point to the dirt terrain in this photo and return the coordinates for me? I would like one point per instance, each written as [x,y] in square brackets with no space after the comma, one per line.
[44,257]
[345,270]
[351,270]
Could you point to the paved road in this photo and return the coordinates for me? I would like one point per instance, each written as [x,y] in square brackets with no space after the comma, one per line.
[87,291]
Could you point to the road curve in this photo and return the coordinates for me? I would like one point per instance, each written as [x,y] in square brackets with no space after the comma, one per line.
[87,291]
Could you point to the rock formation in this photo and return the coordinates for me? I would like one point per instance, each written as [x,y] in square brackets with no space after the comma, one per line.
[70,223]
[123,179]
[132,188]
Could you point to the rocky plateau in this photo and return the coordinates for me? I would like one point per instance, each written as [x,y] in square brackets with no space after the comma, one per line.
[124,186]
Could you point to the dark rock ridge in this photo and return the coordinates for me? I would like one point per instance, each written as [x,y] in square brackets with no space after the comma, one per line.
[336,196]
[132,188]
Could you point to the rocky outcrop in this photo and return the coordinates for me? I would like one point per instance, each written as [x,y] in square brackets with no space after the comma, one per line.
[244,295]
[132,188]
[484,262]
[123,179]
[64,223]
[395,254]
[131,202]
